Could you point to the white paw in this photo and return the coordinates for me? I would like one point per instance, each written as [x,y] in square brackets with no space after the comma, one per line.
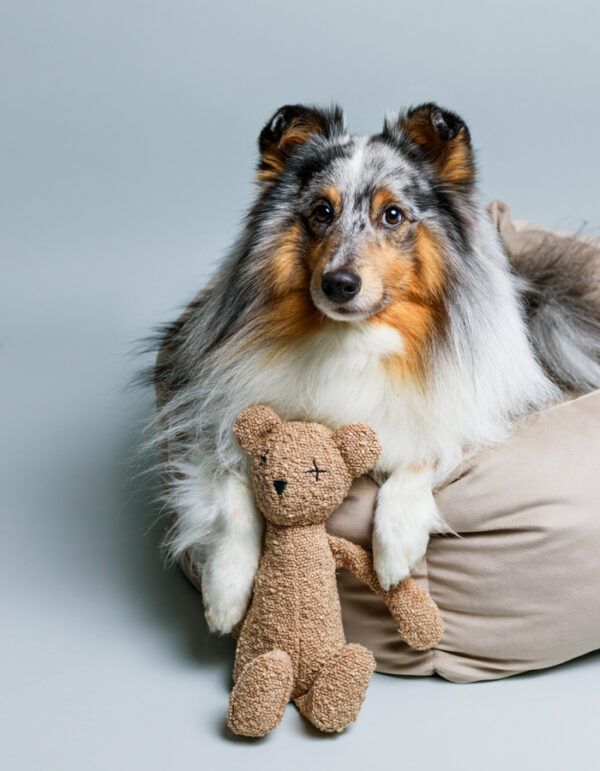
[389,561]
[227,580]
[415,543]
[403,523]
[221,617]
[396,553]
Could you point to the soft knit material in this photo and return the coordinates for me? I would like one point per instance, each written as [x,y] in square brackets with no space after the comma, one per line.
[292,644]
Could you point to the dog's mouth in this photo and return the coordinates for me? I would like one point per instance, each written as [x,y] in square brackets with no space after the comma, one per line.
[357,309]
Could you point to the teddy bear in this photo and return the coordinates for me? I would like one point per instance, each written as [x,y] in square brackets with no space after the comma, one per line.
[291,644]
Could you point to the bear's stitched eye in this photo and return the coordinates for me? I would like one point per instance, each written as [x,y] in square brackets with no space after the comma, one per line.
[263,460]
[315,470]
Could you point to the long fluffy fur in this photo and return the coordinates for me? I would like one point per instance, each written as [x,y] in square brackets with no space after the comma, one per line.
[560,280]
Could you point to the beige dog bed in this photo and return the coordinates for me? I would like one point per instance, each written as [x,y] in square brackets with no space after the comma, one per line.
[519,588]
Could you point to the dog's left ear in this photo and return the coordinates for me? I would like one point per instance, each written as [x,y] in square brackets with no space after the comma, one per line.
[443,139]
[292,126]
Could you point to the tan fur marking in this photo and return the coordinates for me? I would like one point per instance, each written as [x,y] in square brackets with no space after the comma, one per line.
[292,317]
[333,195]
[287,269]
[291,313]
[416,309]
[275,167]
[456,165]
[382,198]
[299,131]
[452,157]
[428,253]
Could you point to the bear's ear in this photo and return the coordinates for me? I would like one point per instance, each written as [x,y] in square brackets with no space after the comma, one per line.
[359,447]
[253,425]
[442,138]
[290,127]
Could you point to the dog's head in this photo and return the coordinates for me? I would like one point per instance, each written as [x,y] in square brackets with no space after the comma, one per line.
[358,227]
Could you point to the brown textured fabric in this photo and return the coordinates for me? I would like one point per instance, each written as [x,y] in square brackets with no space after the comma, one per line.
[259,698]
[292,641]
[336,696]
[415,615]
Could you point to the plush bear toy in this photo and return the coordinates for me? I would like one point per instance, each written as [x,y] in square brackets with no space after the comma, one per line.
[291,644]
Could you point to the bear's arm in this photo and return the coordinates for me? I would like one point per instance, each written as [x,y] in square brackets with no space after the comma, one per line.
[415,614]
[353,557]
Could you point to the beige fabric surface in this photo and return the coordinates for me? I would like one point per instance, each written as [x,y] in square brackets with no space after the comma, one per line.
[519,587]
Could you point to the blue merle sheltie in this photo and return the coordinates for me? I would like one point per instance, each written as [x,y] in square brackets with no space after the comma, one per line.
[368,285]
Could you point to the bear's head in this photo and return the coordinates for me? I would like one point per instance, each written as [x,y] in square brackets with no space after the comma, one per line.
[301,472]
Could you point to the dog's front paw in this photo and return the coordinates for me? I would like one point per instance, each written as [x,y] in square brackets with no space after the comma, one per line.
[227,581]
[223,616]
[403,521]
[389,560]
[415,543]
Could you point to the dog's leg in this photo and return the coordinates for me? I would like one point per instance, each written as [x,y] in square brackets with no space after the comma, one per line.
[229,571]
[405,516]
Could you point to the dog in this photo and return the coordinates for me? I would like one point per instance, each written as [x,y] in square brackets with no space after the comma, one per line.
[368,285]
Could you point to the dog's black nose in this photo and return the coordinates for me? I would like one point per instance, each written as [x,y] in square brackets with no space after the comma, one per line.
[279,485]
[340,286]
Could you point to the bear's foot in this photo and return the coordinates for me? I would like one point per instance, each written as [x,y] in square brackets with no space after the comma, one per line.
[260,694]
[335,698]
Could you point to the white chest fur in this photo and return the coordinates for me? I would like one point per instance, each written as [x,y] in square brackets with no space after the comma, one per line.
[340,376]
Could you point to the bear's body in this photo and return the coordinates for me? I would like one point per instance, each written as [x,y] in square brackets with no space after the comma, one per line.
[292,643]
[298,560]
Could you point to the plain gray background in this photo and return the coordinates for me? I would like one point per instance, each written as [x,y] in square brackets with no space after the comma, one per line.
[127,143]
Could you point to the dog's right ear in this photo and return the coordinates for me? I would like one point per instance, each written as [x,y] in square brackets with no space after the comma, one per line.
[253,425]
[290,127]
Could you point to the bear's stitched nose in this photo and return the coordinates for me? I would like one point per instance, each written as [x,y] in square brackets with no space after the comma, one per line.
[279,485]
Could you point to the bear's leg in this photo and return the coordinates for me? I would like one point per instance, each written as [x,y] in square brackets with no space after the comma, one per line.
[260,694]
[335,698]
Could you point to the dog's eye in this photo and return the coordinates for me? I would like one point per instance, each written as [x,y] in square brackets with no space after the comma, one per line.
[392,216]
[263,460]
[322,213]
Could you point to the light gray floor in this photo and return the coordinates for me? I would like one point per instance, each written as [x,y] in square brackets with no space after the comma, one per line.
[127,141]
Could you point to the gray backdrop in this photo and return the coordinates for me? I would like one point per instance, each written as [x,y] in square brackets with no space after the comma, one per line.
[127,143]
